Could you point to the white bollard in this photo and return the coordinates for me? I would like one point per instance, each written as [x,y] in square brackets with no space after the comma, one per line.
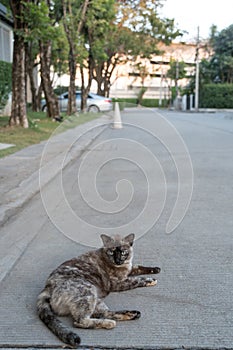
[117,123]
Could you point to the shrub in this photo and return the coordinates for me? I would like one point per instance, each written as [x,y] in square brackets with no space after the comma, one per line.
[132,102]
[5,82]
[216,96]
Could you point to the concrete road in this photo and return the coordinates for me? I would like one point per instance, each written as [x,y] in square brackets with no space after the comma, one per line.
[192,305]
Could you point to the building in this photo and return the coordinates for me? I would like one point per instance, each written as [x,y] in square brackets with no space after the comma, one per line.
[127,80]
[6,48]
[6,35]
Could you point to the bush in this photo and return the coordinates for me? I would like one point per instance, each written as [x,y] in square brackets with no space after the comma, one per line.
[5,82]
[216,96]
[125,102]
[132,102]
[154,103]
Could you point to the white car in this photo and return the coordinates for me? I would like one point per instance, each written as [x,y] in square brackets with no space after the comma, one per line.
[95,103]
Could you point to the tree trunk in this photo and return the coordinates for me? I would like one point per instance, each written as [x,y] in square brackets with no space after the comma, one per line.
[107,86]
[97,74]
[39,96]
[85,92]
[18,108]
[72,31]
[72,62]
[35,92]
[72,89]
[51,99]
[86,88]
[102,75]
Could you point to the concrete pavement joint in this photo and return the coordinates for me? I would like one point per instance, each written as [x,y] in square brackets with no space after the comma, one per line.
[85,347]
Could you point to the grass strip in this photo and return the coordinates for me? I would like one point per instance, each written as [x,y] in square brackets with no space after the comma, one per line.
[40,128]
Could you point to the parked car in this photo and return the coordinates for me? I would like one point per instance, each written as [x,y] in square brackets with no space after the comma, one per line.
[95,103]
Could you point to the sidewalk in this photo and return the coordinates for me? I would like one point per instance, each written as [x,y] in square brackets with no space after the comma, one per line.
[19,172]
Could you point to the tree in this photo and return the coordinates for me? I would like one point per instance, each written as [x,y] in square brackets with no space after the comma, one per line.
[74,16]
[45,44]
[32,63]
[40,36]
[99,33]
[118,42]
[134,34]
[18,109]
[86,24]
[223,55]
[35,28]
[176,72]
[96,31]
[218,68]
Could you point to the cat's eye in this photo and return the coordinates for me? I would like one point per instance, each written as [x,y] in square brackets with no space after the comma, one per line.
[124,252]
[110,252]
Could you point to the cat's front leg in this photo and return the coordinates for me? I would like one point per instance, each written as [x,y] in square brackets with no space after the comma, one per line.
[132,283]
[144,270]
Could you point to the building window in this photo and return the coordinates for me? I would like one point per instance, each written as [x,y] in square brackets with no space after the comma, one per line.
[5,44]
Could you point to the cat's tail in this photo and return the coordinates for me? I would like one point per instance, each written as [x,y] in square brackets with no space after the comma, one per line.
[47,315]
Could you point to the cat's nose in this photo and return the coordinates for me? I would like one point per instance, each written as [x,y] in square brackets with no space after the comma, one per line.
[119,262]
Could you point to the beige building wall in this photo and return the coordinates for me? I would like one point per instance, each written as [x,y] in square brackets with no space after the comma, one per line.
[127,83]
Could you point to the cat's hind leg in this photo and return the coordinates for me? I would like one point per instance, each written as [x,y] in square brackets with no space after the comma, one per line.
[78,299]
[83,312]
[102,311]
[123,315]
[94,323]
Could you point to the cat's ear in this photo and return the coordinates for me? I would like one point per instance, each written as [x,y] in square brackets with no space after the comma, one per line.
[130,238]
[107,240]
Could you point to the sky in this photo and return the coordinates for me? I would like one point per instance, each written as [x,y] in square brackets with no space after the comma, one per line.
[189,15]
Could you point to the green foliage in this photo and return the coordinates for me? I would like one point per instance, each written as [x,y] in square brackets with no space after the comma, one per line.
[5,81]
[132,102]
[60,51]
[219,67]
[6,3]
[126,102]
[154,103]
[39,22]
[142,18]
[223,42]
[42,26]
[216,96]
[135,32]
[177,70]
[100,16]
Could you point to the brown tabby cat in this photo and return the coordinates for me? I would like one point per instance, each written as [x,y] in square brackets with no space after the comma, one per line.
[78,286]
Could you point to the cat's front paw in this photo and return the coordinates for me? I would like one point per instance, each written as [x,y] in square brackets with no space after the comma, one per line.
[150,282]
[155,270]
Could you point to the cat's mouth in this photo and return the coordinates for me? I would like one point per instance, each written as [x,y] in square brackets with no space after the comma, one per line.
[118,263]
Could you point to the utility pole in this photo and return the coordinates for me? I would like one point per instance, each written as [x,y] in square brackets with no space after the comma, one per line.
[177,77]
[176,85]
[197,73]
[161,89]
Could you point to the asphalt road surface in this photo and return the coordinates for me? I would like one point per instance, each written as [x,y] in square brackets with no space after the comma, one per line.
[130,180]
